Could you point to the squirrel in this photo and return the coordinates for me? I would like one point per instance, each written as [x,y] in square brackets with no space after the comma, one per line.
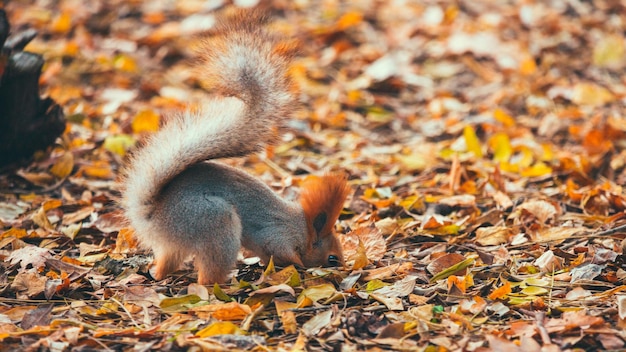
[181,202]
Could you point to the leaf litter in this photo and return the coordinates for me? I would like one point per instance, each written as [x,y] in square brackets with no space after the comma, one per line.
[485,144]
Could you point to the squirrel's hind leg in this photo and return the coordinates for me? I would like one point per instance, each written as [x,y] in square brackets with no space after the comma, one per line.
[217,254]
[166,261]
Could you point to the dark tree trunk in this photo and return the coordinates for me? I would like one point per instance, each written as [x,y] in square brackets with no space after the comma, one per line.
[27,123]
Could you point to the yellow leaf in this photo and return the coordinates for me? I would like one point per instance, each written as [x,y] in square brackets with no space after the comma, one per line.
[472,142]
[220,328]
[453,269]
[125,63]
[591,94]
[63,166]
[145,121]
[119,144]
[270,269]
[413,203]
[534,291]
[374,285]
[504,118]
[539,169]
[319,292]
[178,303]
[413,161]
[609,51]
[220,294]
[501,146]
[548,153]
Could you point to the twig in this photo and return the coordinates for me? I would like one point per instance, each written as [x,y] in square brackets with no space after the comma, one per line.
[127,312]
[612,231]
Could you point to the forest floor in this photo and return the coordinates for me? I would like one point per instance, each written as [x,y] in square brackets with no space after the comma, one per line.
[485,143]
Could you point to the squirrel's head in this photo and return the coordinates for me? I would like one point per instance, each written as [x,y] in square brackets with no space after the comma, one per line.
[322,199]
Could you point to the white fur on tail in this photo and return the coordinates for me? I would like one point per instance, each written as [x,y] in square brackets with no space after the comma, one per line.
[248,68]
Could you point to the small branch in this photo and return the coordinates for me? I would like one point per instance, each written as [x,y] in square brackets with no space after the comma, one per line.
[621,228]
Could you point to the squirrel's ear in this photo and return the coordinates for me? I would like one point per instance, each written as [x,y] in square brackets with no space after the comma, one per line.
[319,222]
[322,200]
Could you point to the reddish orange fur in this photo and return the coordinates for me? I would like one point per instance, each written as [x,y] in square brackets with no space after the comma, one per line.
[323,194]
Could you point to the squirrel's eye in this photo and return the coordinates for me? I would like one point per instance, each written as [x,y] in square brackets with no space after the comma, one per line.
[333,260]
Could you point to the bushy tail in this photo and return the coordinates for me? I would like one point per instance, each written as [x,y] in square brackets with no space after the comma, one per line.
[248,67]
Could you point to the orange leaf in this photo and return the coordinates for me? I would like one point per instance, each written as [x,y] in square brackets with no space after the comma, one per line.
[504,118]
[62,23]
[145,121]
[349,19]
[501,291]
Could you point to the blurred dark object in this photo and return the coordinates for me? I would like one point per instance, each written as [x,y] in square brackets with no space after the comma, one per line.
[27,123]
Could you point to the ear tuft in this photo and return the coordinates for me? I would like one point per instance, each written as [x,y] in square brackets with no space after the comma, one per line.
[322,199]
[319,222]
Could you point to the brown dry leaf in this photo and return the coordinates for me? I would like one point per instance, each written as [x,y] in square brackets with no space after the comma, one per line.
[319,292]
[621,306]
[474,306]
[548,262]
[288,275]
[573,320]
[110,222]
[83,213]
[542,210]
[317,323]
[274,289]
[492,235]
[288,319]
[381,273]
[591,94]
[371,239]
[41,219]
[392,303]
[125,242]
[447,260]
[29,284]
[41,179]
[32,256]
[554,234]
